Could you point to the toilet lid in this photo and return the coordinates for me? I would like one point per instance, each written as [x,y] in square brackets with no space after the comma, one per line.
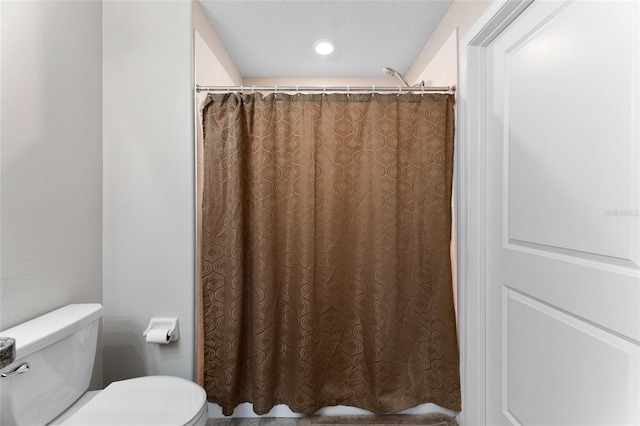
[152,401]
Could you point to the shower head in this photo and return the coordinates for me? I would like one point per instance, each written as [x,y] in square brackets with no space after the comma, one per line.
[392,72]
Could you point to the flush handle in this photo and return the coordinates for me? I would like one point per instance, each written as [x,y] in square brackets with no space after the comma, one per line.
[22,369]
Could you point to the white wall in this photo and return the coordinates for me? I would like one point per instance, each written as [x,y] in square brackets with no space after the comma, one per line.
[51,158]
[214,65]
[435,62]
[443,68]
[148,202]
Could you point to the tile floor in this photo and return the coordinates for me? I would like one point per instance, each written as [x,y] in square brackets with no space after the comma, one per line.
[265,421]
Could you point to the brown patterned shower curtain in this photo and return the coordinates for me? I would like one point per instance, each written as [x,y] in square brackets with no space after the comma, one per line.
[325,234]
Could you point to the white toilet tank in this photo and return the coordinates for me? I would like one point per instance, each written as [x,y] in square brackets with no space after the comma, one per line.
[60,349]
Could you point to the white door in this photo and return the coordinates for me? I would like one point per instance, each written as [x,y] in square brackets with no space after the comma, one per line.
[562,212]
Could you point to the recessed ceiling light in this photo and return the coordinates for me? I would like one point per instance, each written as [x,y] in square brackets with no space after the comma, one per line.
[324,47]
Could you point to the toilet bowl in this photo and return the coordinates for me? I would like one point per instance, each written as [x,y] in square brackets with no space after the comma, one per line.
[152,401]
[47,382]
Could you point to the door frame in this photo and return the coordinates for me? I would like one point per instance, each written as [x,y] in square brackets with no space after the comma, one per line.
[470,202]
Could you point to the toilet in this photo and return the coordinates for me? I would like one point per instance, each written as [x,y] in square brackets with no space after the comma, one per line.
[47,382]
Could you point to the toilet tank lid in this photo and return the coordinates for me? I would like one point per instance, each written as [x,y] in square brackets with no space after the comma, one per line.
[35,334]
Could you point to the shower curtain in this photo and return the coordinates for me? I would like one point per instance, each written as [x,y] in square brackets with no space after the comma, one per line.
[325,263]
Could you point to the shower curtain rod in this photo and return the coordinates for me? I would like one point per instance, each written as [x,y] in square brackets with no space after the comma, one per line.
[324,89]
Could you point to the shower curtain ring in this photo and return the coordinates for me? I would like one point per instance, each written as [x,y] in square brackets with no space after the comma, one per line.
[253,89]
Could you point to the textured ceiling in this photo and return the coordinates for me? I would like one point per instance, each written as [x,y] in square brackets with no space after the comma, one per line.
[275,38]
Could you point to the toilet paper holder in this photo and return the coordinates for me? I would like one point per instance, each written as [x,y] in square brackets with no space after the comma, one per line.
[164,325]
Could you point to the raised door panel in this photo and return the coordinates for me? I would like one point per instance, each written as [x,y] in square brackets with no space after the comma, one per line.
[586,365]
[571,112]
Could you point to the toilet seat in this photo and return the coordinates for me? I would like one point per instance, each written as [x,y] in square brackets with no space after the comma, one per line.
[145,401]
